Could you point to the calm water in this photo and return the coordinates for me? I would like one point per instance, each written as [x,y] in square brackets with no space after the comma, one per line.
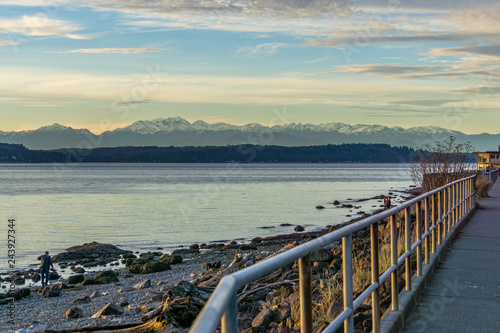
[146,206]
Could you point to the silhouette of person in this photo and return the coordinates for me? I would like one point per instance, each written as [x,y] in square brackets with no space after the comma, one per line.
[45,265]
[387,202]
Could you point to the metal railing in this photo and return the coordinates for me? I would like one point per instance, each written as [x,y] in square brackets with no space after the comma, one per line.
[491,176]
[436,213]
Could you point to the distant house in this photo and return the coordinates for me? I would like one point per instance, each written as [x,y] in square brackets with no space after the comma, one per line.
[488,159]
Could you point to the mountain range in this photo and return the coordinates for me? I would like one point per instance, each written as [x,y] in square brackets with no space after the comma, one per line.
[176,131]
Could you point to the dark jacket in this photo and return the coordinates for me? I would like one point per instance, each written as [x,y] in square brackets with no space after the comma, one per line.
[46,261]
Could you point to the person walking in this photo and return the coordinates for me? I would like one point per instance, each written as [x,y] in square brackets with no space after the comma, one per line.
[45,265]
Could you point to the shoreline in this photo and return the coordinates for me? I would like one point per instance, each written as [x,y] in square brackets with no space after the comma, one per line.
[35,309]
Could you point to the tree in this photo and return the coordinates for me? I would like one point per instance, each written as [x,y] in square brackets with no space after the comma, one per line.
[447,161]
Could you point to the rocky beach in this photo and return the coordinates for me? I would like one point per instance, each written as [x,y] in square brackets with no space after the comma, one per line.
[102,286]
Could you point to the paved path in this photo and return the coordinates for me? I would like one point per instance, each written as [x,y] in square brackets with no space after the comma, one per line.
[464,295]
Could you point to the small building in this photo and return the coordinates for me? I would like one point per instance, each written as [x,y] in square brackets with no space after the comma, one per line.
[488,159]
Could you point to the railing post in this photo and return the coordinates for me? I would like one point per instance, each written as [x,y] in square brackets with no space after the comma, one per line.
[433,232]
[229,320]
[394,262]
[305,294]
[427,243]
[473,189]
[375,278]
[347,274]
[418,226]
[408,273]
[444,214]
[449,218]
[439,227]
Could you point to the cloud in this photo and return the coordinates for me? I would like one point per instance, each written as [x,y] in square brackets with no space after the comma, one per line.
[361,38]
[4,42]
[116,50]
[483,51]
[262,50]
[377,69]
[40,25]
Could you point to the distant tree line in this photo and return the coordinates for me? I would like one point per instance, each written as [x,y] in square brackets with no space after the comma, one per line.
[374,153]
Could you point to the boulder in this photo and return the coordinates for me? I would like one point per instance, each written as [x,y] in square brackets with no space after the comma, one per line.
[74,279]
[107,277]
[51,291]
[299,228]
[78,270]
[82,300]
[74,313]
[194,247]
[336,203]
[141,266]
[53,276]
[108,310]
[17,294]
[171,259]
[186,251]
[91,254]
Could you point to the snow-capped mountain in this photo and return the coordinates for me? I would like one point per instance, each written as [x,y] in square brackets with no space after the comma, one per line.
[177,131]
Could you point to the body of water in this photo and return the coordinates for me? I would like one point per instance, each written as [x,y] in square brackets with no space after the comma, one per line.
[148,206]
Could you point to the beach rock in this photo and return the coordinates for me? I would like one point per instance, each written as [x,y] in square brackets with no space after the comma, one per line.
[125,289]
[141,266]
[336,203]
[82,300]
[286,225]
[263,319]
[35,277]
[90,254]
[194,247]
[51,291]
[347,206]
[256,240]
[172,259]
[17,294]
[299,228]
[322,256]
[78,270]
[74,279]
[246,247]
[95,294]
[320,207]
[107,277]
[74,313]
[186,251]
[108,310]
[53,276]
[19,280]
[143,284]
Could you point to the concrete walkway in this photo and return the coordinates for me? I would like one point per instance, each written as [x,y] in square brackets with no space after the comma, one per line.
[464,294]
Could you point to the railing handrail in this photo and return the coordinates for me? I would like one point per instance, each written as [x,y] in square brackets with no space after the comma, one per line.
[219,302]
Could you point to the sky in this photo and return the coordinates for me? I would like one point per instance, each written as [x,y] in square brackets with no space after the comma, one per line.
[103,64]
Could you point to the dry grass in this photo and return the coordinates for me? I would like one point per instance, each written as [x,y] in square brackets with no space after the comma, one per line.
[482,187]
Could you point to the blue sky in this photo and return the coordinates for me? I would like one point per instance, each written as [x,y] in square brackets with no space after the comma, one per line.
[105,64]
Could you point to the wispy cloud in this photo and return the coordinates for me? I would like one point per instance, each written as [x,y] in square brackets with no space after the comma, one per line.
[40,25]
[117,50]
[4,42]
[262,50]
[484,51]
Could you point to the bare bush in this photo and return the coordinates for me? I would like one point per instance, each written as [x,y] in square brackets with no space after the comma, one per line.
[447,161]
